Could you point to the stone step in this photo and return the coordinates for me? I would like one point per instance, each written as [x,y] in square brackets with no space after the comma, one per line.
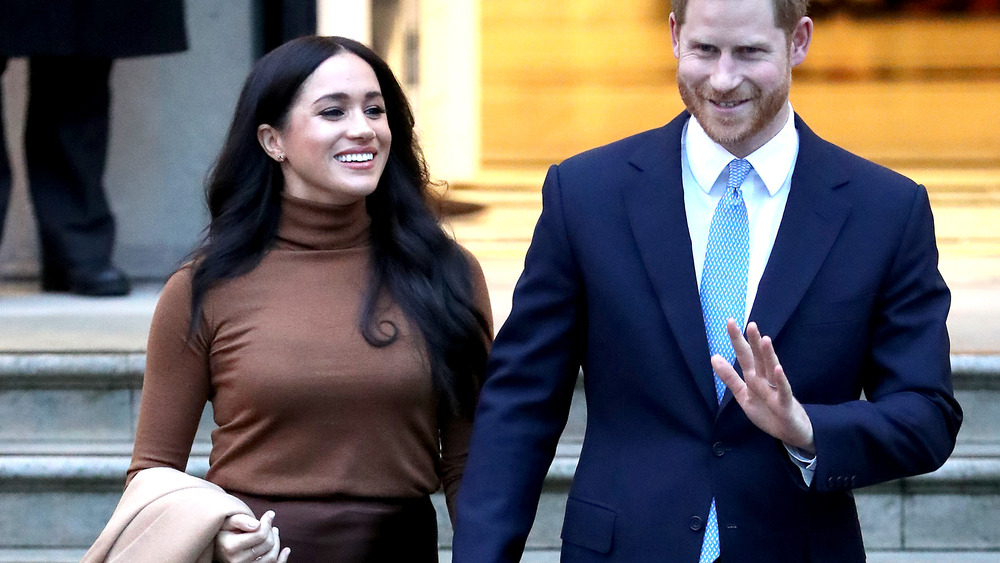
[59,502]
[547,556]
[68,422]
[552,556]
[39,555]
[75,401]
[952,509]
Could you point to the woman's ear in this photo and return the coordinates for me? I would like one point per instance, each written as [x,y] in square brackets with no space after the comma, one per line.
[270,140]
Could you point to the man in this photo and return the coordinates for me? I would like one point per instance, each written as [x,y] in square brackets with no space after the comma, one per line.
[734,210]
[71,45]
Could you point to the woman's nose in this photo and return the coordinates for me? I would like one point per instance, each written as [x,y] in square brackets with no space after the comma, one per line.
[360,128]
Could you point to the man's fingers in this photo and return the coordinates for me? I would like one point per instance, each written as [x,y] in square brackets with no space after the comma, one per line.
[744,353]
[727,374]
[753,335]
[769,359]
[764,361]
[756,346]
[780,381]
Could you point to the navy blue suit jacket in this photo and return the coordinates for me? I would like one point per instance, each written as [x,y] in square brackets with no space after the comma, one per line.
[851,296]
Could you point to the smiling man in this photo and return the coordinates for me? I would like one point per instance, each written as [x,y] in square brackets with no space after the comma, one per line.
[729,284]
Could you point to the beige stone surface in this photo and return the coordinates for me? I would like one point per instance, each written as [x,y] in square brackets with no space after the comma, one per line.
[966,205]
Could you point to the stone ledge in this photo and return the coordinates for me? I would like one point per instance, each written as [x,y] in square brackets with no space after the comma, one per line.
[125,369]
[971,476]
[973,371]
[549,556]
[38,555]
[17,471]
[552,556]
[981,474]
[36,371]
[95,449]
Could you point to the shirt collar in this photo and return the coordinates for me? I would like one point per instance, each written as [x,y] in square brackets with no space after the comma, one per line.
[772,162]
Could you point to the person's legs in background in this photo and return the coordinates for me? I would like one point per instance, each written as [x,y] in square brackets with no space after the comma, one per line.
[5,177]
[66,140]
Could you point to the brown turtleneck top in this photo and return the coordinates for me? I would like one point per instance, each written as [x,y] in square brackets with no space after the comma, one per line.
[305,407]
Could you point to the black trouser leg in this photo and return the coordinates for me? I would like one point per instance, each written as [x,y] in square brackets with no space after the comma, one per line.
[66,140]
[5,177]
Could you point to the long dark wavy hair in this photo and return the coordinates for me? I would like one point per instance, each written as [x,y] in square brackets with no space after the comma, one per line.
[414,261]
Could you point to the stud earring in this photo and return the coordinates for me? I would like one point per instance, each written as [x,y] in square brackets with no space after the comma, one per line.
[280,158]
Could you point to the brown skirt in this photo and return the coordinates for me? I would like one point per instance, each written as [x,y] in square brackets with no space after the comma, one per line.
[353,530]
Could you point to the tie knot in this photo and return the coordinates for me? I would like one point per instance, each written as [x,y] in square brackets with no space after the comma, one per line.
[738,170]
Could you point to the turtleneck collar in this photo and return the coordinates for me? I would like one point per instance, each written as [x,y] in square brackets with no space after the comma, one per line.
[309,225]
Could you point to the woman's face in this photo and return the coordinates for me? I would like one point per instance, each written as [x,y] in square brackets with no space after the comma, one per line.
[335,142]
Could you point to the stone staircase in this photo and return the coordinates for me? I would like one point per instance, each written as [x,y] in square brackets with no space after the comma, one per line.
[67,422]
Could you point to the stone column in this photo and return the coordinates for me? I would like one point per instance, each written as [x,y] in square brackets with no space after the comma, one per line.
[348,19]
[449,110]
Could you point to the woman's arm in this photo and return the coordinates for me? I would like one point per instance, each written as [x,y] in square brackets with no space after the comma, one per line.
[455,432]
[176,384]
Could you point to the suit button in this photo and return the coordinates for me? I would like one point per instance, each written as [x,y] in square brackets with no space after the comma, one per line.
[695,523]
[718,449]
[830,482]
[854,480]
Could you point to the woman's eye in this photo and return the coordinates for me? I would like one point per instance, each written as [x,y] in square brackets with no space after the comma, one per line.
[375,111]
[332,112]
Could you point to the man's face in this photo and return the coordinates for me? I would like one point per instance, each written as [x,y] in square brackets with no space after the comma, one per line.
[734,69]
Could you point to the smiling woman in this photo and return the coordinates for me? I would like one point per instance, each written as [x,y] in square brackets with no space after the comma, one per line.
[340,334]
[336,141]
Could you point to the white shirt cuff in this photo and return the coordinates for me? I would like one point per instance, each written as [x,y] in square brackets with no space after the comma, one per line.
[805,463]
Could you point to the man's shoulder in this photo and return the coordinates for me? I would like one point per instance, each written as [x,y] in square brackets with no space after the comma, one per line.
[816,151]
[649,142]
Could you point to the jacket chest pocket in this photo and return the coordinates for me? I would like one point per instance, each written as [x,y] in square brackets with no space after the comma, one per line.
[841,311]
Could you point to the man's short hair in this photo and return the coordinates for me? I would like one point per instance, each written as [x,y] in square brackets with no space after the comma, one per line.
[787,13]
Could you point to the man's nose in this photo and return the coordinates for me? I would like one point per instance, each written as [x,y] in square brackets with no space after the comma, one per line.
[726,74]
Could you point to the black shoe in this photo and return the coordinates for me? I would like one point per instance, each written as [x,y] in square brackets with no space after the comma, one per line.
[108,281]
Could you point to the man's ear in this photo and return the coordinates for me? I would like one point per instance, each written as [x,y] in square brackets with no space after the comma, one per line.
[675,35]
[800,40]
[270,140]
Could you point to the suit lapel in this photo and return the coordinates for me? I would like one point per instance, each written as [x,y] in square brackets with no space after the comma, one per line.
[654,202]
[810,224]
[812,220]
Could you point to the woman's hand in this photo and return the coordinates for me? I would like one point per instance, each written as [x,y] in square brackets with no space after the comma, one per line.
[244,539]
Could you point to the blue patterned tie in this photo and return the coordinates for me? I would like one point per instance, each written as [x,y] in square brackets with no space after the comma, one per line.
[723,296]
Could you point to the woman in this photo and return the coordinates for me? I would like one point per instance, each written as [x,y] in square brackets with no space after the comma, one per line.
[339,333]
